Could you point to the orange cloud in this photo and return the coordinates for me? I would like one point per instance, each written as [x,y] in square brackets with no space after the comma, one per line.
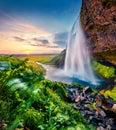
[16,37]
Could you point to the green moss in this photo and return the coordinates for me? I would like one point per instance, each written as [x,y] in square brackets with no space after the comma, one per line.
[110,93]
[104,71]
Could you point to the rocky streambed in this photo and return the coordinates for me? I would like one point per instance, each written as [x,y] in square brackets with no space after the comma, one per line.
[100,111]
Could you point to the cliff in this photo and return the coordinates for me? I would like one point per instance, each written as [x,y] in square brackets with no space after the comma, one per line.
[98,18]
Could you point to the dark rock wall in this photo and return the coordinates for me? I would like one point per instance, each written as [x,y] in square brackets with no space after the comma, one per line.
[98,19]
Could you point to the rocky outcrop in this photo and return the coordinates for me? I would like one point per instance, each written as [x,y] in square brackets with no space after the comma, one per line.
[98,19]
[95,107]
[59,60]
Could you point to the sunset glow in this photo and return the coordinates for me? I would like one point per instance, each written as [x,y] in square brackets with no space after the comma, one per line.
[32,29]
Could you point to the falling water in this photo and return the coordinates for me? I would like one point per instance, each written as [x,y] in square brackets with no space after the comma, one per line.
[77,61]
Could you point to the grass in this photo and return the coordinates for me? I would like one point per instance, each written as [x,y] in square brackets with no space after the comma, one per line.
[107,72]
[104,71]
[59,59]
[32,59]
[40,105]
[40,58]
[110,93]
[37,67]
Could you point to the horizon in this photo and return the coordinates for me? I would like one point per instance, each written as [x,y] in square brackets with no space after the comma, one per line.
[32,54]
[30,27]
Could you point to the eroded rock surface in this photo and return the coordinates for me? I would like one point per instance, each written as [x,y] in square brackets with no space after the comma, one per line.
[98,18]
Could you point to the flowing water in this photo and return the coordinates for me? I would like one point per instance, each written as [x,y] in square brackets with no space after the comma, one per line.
[57,74]
[77,67]
[77,61]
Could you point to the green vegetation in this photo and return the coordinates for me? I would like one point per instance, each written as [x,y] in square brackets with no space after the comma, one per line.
[59,59]
[29,101]
[40,58]
[104,71]
[108,73]
[36,66]
[32,59]
[110,92]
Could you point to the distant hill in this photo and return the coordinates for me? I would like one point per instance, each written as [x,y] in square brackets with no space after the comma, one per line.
[59,60]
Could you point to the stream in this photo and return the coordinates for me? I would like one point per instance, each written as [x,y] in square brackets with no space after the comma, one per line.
[57,74]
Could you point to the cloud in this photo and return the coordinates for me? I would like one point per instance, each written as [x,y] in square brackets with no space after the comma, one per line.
[43,41]
[57,40]
[42,45]
[37,42]
[19,39]
[61,38]
[21,28]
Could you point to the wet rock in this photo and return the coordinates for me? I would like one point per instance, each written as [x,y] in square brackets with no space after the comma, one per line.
[83,96]
[111,123]
[102,113]
[84,113]
[108,127]
[100,128]
[110,114]
[89,108]
[102,124]
[87,90]
[77,107]
[78,99]
[111,127]
[110,102]
[89,113]
[91,99]
[90,118]
[94,121]
[73,93]
[93,109]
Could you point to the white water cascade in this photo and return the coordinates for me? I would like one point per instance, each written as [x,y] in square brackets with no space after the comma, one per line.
[77,60]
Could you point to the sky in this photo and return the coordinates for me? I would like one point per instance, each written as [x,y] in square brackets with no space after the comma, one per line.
[36,26]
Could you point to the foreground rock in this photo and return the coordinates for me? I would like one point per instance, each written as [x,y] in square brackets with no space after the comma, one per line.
[94,107]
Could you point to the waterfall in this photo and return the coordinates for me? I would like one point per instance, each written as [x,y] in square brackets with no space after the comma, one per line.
[77,60]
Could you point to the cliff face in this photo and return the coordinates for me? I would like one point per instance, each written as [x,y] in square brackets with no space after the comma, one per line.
[98,19]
